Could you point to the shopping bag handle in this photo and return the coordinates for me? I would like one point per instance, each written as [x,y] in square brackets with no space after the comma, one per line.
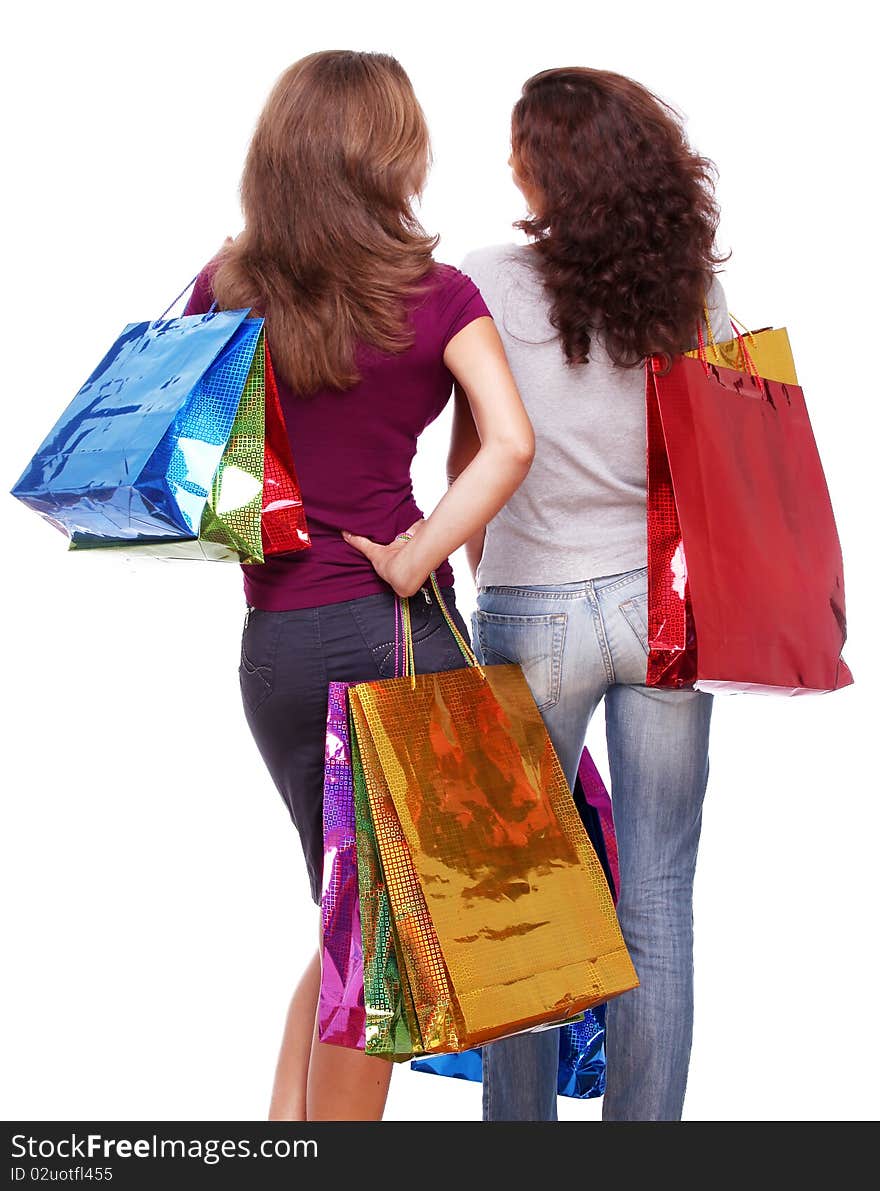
[750,366]
[185,290]
[403,638]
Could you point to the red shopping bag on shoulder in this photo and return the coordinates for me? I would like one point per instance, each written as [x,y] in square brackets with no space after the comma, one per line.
[283,519]
[745,576]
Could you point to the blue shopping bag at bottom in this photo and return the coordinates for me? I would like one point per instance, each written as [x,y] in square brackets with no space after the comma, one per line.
[581,1059]
[582,1043]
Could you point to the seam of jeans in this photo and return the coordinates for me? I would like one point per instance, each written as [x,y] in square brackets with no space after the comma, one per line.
[556,660]
[624,581]
[520,617]
[599,626]
[530,593]
[325,681]
[577,590]
[629,610]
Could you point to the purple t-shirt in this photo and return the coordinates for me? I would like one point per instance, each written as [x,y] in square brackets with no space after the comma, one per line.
[353,450]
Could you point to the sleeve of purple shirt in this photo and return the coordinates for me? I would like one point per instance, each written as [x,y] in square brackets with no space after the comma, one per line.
[462,303]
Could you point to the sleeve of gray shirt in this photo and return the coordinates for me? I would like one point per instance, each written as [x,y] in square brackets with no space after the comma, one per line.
[481,267]
[718,315]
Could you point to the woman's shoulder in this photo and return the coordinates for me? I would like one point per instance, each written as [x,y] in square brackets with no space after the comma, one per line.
[505,275]
[487,265]
[445,281]
[202,297]
[446,288]
[449,301]
[513,290]
[441,275]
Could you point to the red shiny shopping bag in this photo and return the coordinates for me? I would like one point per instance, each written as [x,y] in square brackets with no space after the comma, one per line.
[745,576]
[283,521]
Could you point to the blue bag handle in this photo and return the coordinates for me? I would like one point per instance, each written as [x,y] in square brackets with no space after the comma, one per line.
[185,290]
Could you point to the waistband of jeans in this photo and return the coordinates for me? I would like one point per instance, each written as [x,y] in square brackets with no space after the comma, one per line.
[378,598]
[568,591]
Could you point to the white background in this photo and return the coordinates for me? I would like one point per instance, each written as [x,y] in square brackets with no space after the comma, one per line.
[156,909]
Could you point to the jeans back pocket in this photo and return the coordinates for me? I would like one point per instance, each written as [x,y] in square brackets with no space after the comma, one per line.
[635,612]
[259,645]
[536,643]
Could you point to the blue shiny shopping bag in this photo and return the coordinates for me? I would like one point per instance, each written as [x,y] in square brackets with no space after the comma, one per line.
[581,1059]
[133,455]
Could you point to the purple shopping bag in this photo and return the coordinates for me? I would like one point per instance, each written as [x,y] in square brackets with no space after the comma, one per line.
[341,1017]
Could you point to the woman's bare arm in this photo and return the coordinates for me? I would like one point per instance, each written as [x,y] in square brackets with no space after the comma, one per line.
[463,448]
[476,359]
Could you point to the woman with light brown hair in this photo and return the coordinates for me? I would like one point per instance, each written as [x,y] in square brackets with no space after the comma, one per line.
[367,334]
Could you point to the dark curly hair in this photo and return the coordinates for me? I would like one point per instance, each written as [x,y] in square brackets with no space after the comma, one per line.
[624,213]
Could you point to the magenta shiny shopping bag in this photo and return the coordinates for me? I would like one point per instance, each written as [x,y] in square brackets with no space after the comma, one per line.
[341,1017]
[593,801]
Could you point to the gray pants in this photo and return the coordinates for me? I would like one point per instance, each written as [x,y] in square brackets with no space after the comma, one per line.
[287,661]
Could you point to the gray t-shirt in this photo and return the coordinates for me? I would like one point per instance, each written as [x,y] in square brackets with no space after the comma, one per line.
[580,512]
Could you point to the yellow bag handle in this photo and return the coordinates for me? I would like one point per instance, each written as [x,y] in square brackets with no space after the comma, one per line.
[738,325]
[708,320]
[750,366]
[737,322]
[409,661]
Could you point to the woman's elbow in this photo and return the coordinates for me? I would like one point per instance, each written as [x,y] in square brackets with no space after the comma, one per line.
[521,450]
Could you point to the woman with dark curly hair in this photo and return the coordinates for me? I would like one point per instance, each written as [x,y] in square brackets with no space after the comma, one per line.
[622,258]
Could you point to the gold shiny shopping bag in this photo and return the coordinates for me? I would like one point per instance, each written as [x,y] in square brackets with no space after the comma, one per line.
[764,353]
[500,903]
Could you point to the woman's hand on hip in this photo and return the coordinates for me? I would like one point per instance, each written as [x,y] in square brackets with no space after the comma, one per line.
[393,562]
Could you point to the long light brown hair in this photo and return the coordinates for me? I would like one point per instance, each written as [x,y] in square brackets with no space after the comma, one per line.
[626,220]
[331,245]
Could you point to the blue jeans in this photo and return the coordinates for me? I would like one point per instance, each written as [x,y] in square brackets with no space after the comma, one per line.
[578,643]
